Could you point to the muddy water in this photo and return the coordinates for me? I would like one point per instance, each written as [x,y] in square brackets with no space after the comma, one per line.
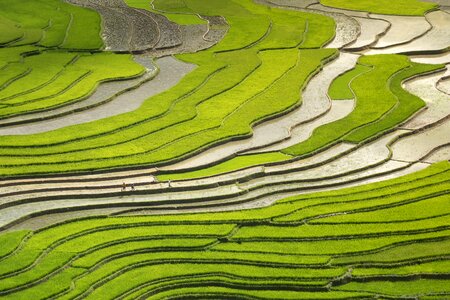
[360,158]
[256,199]
[432,59]
[315,103]
[10,214]
[440,2]
[339,109]
[438,38]
[437,102]
[439,155]
[443,84]
[356,162]
[416,26]
[370,30]
[415,147]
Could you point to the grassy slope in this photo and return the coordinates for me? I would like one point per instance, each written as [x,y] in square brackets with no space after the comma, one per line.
[300,243]
[268,249]
[41,73]
[183,122]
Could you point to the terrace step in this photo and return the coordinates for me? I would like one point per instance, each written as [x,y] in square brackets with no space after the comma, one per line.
[417,27]
[316,246]
[352,13]
[135,32]
[134,259]
[217,28]
[207,182]
[169,33]
[418,116]
[434,137]
[170,73]
[347,29]
[301,132]
[371,31]
[105,92]
[434,41]
[276,183]
[315,109]
[440,58]
[299,4]
[194,38]
[437,103]
[443,84]
[441,154]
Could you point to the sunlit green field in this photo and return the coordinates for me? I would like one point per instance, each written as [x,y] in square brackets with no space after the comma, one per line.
[384,240]
[377,239]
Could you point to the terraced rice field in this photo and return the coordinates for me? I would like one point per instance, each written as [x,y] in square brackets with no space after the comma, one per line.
[238,149]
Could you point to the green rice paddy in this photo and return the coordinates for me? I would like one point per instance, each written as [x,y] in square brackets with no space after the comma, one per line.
[383,240]
[296,246]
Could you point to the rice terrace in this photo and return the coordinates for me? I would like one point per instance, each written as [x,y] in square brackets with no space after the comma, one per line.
[224,149]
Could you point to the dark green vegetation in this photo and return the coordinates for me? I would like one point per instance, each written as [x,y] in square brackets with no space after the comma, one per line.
[389,239]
